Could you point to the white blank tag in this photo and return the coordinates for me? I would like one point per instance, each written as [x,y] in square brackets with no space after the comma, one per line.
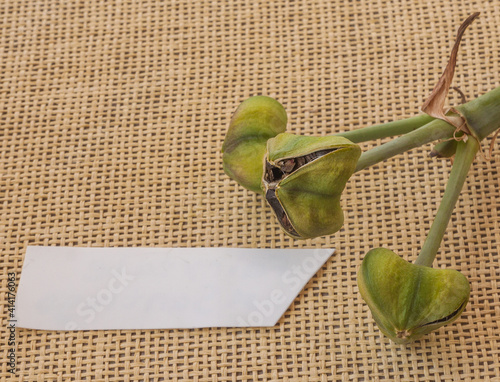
[72,288]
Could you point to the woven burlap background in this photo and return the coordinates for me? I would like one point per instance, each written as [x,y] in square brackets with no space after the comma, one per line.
[113,114]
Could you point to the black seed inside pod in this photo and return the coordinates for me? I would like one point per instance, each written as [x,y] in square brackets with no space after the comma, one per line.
[275,174]
[287,166]
[280,212]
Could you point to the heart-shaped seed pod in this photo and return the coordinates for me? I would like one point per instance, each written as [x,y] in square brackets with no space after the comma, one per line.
[408,301]
[255,121]
[303,180]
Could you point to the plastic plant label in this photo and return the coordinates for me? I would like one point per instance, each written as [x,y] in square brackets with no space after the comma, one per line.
[73,288]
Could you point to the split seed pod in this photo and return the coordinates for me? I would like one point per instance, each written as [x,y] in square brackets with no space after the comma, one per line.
[303,180]
[255,121]
[408,301]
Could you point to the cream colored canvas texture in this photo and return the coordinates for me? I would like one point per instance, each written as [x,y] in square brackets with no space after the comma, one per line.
[113,114]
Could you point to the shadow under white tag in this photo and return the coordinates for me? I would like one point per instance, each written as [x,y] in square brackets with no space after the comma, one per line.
[72,288]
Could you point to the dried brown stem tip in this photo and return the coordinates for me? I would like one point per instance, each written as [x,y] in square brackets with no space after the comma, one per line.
[434,105]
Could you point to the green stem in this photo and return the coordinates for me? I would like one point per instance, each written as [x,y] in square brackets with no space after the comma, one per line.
[385,130]
[466,151]
[482,115]
[437,129]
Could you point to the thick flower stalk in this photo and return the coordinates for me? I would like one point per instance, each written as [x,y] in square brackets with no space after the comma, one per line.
[407,300]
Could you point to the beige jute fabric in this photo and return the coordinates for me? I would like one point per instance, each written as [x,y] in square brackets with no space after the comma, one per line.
[113,114]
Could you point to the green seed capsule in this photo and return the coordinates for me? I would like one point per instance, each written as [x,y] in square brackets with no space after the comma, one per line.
[255,121]
[408,301]
[303,180]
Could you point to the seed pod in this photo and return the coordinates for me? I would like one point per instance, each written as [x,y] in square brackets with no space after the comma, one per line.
[408,301]
[303,180]
[255,121]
